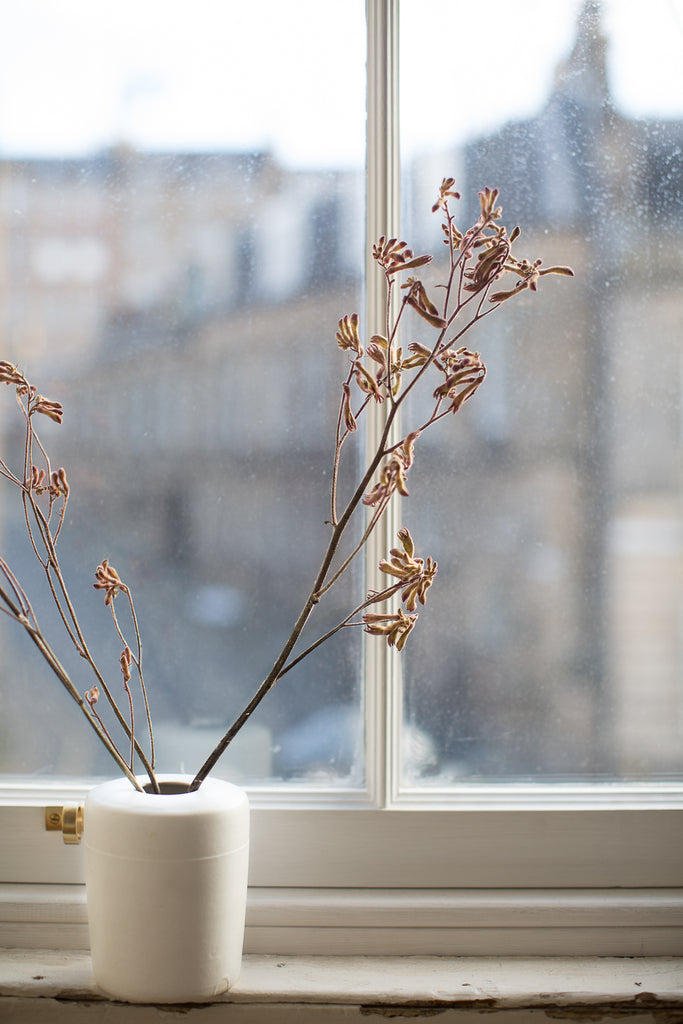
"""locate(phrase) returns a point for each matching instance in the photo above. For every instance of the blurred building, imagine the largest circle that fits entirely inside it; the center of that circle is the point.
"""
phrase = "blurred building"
(100, 244)
(196, 368)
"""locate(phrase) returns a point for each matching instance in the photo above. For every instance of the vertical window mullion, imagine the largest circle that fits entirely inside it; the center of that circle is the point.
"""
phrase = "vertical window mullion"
(381, 665)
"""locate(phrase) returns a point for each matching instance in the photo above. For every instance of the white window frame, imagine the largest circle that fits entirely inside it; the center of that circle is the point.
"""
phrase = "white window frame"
(533, 869)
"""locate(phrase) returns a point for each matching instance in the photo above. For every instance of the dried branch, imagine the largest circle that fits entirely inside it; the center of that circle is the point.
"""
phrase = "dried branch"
(44, 495)
(477, 259)
(380, 372)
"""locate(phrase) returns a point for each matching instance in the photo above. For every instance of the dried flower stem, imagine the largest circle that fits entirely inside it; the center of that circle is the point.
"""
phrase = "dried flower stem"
(311, 601)
(341, 436)
(53, 487)
(372, 523)
(374, 598)
(19, 608)
(137, 660)
(463, 372)
(477, 259)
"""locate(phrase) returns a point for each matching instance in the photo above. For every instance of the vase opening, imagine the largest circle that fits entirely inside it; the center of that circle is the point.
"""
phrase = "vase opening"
(167, 788)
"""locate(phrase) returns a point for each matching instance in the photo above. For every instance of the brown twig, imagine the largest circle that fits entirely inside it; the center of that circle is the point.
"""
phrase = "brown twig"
(475, 278)
(477, 259)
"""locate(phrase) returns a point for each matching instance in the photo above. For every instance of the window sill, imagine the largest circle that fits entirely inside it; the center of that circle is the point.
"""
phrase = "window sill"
(36, 983)
(397, 922)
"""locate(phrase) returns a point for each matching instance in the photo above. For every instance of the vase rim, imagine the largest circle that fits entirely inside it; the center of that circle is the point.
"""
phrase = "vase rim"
(119, 795)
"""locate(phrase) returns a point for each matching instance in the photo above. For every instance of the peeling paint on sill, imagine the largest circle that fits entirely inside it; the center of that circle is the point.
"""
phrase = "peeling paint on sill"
(429, 1009)
(660, 1010)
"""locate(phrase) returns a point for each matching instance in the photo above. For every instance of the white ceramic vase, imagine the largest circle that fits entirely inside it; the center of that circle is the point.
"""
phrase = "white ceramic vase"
(166, 884)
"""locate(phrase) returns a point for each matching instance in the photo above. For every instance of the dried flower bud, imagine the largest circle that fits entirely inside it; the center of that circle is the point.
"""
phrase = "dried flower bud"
(418, 299)
(52, 410)
(349, 418)
(383, 489)
(487, 201)
(398, 467)
(402, 564)
(377, 618)
(416, 576)
(377, 350)
(419, 357)
(491, 264)
(391, 478)
(464, 371)
(395, 627)
(348, 336)
(9, 374)
(125, 660)
(378, 493)
(408, 448)
(107, 578)
(453, 237)
(92, 696)
(563, 271)
(366, 382)
(529, 274)
(393, 256)
(407, 541)
(445, 191)
(59, 485)
(38, 480)
(417, 588)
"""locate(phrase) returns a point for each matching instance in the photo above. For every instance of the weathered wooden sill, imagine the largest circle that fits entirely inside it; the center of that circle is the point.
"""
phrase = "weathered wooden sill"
(40, 986)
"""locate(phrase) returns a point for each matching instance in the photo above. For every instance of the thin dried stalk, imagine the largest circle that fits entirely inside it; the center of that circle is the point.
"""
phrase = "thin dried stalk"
(477, 259)
(52, 487)
(380, 372)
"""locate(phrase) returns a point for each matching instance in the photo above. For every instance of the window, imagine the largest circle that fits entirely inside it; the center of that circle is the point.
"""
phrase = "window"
(435, 827)
(183, 250)
(562, 487)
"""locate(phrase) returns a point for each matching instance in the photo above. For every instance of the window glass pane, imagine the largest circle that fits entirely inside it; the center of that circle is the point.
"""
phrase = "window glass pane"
(181, 228)
(551, 644)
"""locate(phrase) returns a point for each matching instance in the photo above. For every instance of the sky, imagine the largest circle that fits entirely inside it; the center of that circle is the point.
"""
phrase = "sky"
(80, 75)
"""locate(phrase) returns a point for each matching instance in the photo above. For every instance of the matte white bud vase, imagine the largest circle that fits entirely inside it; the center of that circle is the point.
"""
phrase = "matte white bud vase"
(166, 884)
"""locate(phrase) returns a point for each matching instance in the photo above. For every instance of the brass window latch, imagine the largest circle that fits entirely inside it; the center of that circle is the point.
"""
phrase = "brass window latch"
(67, 820)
